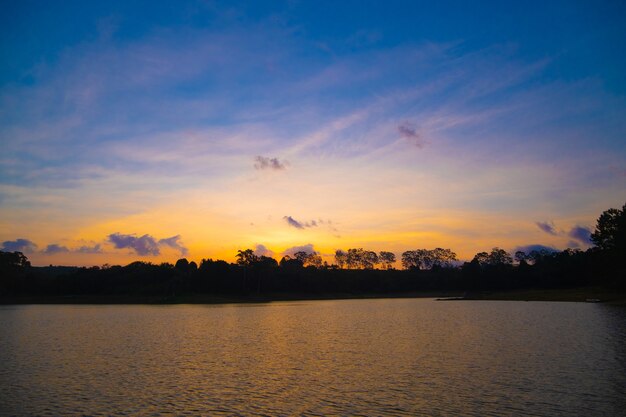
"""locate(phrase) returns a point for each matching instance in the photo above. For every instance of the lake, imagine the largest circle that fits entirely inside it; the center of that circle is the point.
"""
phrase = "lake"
(343, 357)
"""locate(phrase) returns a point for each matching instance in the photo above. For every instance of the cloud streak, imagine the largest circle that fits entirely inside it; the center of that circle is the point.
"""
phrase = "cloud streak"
(264, 163)
(299, 224)
(547, 227)
(408, 131)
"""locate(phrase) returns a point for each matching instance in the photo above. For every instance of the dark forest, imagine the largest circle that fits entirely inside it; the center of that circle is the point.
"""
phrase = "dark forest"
(355, 272)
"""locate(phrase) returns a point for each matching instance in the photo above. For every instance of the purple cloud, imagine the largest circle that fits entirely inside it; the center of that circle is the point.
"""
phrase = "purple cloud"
(300, 225)
(308, 248)
(263, 162)
(539, 248)
(580, 234)
(55, 248)
(144, 245)
(293, 222)
(174, 242)
(97, 248)
(262, 250)
(547, 227)
(409, 132)
(19, 245)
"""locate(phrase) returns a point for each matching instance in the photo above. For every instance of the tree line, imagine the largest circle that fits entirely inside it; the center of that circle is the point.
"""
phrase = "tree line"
(354, 271)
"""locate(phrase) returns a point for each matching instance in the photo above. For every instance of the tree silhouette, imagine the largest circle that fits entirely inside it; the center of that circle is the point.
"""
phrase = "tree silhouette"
(341, 258)
(246, 257)
(427, 259)
(610, 233)
(496, 257)
(386, 259)
(309, 259)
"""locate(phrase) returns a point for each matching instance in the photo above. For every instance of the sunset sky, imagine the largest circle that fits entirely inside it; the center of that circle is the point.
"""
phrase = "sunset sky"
(155, 130)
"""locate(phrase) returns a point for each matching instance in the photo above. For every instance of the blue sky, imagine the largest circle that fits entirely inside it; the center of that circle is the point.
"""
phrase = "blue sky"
(393, 126)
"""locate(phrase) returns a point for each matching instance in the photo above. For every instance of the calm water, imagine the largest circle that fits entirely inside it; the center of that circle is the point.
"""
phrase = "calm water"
(353, 357)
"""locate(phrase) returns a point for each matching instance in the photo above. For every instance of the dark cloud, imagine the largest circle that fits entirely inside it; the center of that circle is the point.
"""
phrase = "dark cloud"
(19, 245)
(55, 248)
(174, 242)
(144, 245)
(262, 250)
(409, 132)
(300, 225)
(90, 249)
(547, 227)
(293, 222)
(580, 234)
(264, 162)
(573, 244)
(308, 248)
(529, 248)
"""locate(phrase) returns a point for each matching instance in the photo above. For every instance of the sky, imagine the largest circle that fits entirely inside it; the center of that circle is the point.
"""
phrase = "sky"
(143, 130)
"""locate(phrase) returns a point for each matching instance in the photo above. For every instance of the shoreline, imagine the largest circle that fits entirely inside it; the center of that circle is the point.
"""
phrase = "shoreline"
(579, 294)
(584, 294)
(207, 298)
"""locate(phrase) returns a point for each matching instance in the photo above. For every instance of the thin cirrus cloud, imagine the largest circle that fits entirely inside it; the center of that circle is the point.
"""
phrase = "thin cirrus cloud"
(146, 245)
(19, 245)
(274, 164)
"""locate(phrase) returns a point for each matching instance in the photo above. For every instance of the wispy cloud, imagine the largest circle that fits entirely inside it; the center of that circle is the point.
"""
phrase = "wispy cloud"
(264, 162)
(293, 222)
(547, 227)
(19, 245)
(175, 243)
(299, 224)
(408, 131)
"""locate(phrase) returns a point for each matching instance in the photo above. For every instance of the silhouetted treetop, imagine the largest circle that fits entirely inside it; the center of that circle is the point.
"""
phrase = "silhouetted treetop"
(386, 259)
(610, 233)
(497, 257)
(428, 258)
